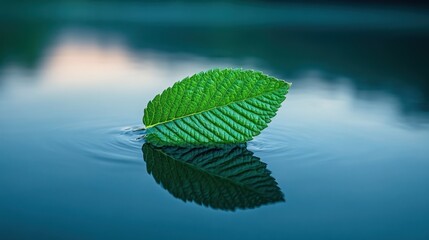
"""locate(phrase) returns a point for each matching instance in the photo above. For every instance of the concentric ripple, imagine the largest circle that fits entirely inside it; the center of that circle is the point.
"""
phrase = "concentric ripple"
(109, 142)
(103, 142)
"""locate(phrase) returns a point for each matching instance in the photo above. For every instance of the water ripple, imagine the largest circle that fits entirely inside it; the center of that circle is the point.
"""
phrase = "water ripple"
(105, 143)
(289, 143)
(110, 143)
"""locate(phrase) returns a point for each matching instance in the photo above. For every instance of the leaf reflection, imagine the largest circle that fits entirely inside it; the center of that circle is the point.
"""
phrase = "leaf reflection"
(226, 178)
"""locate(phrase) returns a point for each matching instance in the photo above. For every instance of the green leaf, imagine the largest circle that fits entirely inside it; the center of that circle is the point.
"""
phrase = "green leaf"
(214, 107)
(222, 178)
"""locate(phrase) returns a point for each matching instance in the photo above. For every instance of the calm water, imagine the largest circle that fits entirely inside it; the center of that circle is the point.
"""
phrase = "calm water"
(348, 150)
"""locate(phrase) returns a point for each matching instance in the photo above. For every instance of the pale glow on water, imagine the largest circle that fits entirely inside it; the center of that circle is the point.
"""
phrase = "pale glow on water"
(79, 64)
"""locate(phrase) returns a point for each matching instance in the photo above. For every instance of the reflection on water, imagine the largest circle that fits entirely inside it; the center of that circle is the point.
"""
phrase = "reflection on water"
(222, 178)
(374, 64)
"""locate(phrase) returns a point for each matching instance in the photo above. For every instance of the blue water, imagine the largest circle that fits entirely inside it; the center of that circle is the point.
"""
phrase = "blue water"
(348, 149)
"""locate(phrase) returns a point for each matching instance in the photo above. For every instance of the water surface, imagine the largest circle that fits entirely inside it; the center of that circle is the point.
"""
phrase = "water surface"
(346, 154)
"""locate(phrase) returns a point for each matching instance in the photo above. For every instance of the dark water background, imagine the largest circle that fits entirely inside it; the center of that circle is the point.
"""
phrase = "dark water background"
(348, 149)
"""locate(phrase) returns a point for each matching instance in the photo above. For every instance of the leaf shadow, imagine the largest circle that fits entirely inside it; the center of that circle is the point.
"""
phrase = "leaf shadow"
(225, 178)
